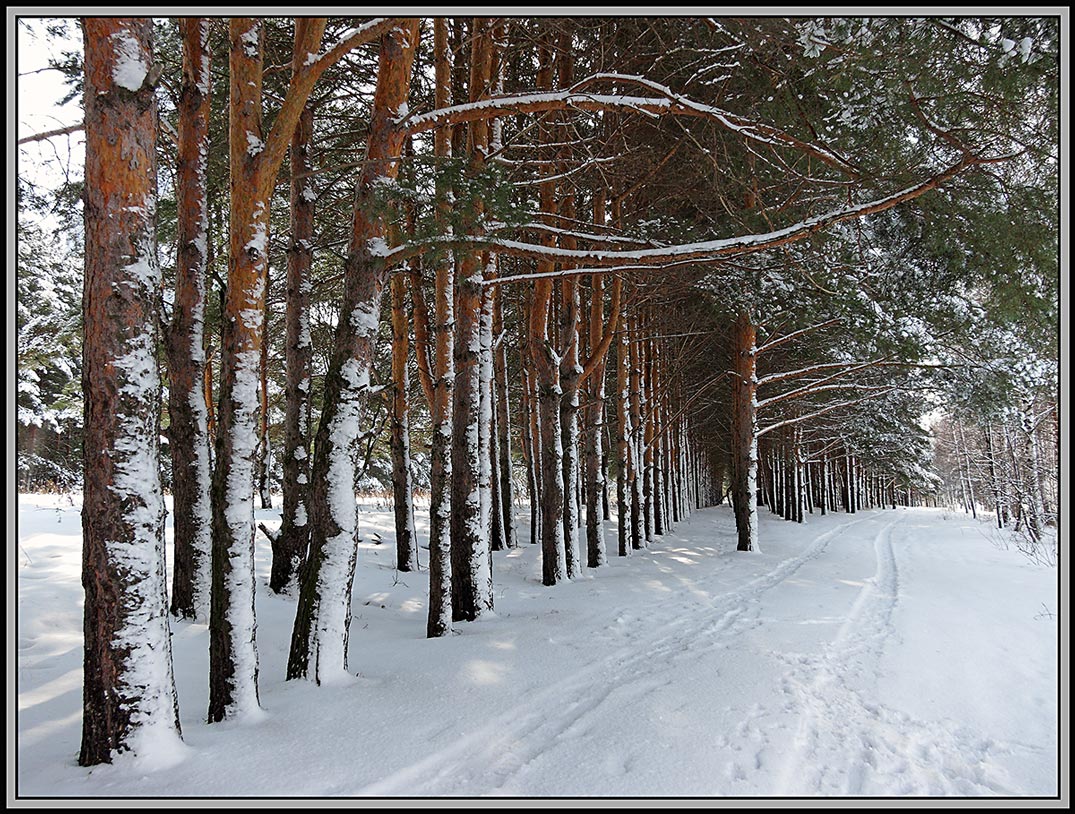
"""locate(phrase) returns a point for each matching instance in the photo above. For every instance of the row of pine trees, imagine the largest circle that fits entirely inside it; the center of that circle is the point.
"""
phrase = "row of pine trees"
(545, 216)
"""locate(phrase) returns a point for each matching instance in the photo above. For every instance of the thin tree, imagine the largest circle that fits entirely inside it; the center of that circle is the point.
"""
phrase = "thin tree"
(188, 433)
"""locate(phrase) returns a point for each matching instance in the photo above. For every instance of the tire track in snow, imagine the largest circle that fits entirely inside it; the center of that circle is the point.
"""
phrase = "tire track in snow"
(486, 760)
(847, 743)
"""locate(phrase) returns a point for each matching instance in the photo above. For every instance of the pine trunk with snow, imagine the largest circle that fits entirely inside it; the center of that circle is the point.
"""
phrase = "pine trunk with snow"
(289, 546)
(264, 448)
(233, 656)
(319, 637)
(570, 373)
(471, 575)
(594, 417)
(439, 615)
(188, 433)
(501, 393)
(129, 698)
(406, 538)
(623, 438)
(745, 434)
(527, 418)
(486, 440)
(469, 538)
(635, 477)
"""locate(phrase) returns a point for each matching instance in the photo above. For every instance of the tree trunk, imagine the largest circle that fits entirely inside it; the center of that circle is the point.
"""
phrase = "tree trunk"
(471, 576)
(486, 429)
(623, 436)
(745, 435)
(403, 506)
(994, 481)
(546, 381)
(233, 658)
(501, 394)
(264, 450)
(595, 412)
(319, 637)
(188, 434)
(635, 476)
(289, 546)
(129, 699)
(439, 617)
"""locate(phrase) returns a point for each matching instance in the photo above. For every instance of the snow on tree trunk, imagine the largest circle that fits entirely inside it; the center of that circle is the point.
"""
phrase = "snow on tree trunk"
(635, 477)
(595, 412)
(188, 433)
(471, 574)
(527, 415)
(264, 449)
(233, 656)
(745, 435)
(439, 617)
(485, 407)
(1034, 491)
(503, 426)
(647, 406)
(469, 538)
(319, 637)
(129, 699)
(546, 366)
(403, 506)
(569, 410)
(289, 546)
(623, 436)
(994, 480)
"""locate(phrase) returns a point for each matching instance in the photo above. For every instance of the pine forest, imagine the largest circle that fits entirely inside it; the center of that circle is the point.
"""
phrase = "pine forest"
(540, 406)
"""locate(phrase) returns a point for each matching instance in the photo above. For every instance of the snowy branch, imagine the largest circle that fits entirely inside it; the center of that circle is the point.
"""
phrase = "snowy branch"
(822, 411)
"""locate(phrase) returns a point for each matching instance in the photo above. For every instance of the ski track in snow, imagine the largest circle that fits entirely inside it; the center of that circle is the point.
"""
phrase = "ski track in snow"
(848, 744)
(510, 741)
(836, 663)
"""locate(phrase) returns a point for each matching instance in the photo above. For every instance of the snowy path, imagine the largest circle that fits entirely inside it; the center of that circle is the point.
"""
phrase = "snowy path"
(644, 665)
(855, 655)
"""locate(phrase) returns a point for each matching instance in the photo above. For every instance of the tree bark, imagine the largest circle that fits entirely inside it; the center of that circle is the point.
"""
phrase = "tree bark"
(439, 617)
(289, 546)
(745, 434)
(233, 658)
(471, 576)
(546, 364)
(320, 634)
(129, 699)
(503, 424)
(403, 505)
(188, 433)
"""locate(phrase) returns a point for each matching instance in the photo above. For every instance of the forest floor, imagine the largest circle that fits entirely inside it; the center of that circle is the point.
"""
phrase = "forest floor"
(892, 653)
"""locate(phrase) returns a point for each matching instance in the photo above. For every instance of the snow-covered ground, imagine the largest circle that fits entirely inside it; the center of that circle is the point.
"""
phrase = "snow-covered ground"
(883, 653)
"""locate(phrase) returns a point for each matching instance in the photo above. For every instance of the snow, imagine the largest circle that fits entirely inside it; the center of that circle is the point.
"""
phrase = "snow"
(130, 68)
(239, 515)
(862, 654)
(254, 144)
(251, 39)
(378, 247)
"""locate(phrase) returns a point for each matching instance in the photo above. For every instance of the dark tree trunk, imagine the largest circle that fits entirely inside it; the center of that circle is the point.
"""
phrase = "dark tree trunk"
(406, 539)
(187, 409)
(471, 577)
(289, 546)
(745, 435)
(439, 617)
(503, 425)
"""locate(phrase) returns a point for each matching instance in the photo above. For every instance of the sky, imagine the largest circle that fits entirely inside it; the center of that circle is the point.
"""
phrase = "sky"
(39, 92)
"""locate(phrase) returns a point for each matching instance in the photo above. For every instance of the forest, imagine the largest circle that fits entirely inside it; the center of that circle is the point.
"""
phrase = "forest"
(533, 279)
